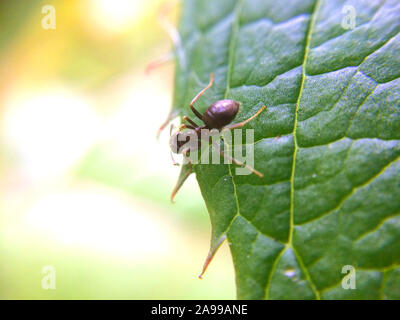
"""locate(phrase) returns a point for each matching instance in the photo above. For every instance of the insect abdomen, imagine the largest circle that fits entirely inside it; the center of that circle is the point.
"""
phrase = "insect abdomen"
(220, 113)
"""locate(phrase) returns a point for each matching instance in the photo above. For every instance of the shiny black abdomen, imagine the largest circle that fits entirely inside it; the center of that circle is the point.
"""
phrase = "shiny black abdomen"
(220, 113)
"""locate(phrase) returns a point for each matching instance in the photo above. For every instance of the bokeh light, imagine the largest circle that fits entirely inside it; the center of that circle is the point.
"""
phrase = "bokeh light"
(84, 184)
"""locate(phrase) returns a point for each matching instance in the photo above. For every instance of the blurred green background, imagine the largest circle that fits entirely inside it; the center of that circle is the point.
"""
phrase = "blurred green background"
(84, 185)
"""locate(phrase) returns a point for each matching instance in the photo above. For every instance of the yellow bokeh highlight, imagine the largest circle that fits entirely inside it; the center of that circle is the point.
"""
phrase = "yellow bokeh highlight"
(84, 184)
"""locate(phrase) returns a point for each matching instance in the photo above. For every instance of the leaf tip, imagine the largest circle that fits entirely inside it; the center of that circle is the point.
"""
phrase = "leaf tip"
(211, 255)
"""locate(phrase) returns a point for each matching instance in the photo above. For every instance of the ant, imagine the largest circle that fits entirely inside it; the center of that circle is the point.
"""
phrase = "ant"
(218, 115)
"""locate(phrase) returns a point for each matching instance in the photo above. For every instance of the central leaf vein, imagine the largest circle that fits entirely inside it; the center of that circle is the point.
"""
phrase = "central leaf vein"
(291, 212)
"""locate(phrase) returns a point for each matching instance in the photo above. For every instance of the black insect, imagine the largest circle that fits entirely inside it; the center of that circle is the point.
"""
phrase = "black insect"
(218, 115)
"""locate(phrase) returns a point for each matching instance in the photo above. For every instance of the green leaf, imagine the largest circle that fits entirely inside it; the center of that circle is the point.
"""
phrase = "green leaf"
(330, 195)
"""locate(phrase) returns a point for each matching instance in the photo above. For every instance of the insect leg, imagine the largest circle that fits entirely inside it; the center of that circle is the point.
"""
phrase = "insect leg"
(184, 126)
(239, 163)
(159, 62)
(171, 128)
(171, 116)
(174, 36)
(168, 26)
(241, 124)
(173, 160)
(185, 118)
(198, 114)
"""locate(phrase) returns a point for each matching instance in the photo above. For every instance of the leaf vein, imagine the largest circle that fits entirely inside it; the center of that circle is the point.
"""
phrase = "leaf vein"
(366, 183)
